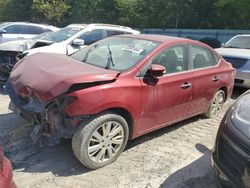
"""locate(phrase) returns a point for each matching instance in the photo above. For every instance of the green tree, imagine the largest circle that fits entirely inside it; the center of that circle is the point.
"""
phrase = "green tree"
(52, 10)
(17, 10)
(234, 14)
(89, 11)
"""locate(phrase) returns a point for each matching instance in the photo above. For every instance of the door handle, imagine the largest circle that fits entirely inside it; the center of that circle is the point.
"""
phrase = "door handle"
(186, 85)
(215, 78)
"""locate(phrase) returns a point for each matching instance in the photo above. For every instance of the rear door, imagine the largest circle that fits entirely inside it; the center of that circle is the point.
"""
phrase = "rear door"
(166, 99)
(207, 75)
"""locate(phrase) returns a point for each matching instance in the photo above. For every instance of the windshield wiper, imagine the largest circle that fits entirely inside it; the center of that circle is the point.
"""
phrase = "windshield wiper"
(110, 59)
(87, 55)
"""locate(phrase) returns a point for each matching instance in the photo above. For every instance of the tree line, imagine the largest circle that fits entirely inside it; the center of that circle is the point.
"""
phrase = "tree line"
(184, 14)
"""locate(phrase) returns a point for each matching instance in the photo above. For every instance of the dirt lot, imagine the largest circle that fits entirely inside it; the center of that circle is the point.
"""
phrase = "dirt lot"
(176, 156)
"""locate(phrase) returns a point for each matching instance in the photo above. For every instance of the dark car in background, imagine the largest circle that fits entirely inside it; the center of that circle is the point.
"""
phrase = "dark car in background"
(231, 155)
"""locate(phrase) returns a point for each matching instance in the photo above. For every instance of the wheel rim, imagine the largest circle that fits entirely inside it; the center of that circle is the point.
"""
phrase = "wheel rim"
(217, 104)
(105, 142)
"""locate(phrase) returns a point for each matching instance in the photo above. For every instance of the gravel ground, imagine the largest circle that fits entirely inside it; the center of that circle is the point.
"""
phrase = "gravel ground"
(174, 157)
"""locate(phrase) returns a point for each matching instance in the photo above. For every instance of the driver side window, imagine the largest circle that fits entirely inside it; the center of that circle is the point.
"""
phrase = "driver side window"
(174, 59)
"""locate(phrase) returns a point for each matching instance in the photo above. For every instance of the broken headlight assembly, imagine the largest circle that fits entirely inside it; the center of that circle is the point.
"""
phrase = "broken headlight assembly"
(240, 115)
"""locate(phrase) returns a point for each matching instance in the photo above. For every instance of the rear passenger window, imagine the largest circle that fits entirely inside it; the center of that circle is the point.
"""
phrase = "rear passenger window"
(202, 57)
(113, 32)
(34, 30)
(174, 58)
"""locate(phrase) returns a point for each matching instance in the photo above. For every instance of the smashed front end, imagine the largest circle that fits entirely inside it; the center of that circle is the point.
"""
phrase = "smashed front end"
(50, 121)
(40, 88)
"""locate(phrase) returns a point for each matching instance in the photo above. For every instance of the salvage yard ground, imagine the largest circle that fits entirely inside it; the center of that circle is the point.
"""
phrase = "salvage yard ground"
(176, 156)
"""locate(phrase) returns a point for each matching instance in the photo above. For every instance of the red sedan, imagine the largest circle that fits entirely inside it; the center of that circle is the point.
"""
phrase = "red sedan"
(118, 89)
(5, 172)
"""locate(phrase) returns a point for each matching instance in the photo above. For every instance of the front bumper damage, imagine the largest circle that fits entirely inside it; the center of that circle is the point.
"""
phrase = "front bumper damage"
(7, 62)
(50, 121)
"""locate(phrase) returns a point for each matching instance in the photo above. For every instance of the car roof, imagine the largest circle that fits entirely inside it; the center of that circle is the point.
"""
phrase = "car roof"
(108, 26)
(34, 24)
(77, 25)
(157, 38)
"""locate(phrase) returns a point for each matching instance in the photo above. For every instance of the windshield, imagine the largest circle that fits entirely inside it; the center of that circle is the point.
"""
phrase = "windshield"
(61, 35)
(116, 53)
(239, 42)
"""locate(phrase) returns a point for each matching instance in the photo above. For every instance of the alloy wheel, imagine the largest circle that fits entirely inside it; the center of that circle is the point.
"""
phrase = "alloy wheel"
(105, 141)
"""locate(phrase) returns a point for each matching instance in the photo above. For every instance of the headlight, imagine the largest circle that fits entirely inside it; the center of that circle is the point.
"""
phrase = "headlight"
(241, 115)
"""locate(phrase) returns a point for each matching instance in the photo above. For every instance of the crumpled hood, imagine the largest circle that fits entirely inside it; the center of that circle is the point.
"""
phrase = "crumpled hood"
(234, 52)
(17, 45)
(46, 76)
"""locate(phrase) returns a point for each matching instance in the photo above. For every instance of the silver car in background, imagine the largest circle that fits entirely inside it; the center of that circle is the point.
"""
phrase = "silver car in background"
(237, 52)
(21, 30)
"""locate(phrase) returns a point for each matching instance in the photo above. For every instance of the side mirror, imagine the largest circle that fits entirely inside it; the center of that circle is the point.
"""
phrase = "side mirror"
(157, 70)
(2, 31)
(78, 42)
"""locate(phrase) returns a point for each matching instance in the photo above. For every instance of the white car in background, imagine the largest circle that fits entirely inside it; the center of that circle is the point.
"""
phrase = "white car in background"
(65, 41)
(237, 52)
(21, 30)
(76, 36)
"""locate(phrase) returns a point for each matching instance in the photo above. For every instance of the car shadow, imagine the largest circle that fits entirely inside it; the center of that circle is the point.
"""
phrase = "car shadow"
(197, 174)
(27, 157)
(162, 131)
(59, 160)
(237, 92)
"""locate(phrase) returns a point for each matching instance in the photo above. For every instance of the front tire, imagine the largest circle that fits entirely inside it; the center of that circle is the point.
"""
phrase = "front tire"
(216, 105)
(101, 140)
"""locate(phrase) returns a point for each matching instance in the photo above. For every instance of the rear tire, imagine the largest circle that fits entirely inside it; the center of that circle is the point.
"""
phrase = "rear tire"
(216, 105)
(99, 141)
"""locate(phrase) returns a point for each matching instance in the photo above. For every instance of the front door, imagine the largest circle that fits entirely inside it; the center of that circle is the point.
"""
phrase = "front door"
(166, 99)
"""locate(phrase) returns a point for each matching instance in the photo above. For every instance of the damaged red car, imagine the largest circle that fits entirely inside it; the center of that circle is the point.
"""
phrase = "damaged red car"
(118, 89)
(6, 175)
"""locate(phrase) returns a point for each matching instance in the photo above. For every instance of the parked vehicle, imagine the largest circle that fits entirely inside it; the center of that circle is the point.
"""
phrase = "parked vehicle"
(213, 42)
(6, 175)
(10, 50)
(237, 52)
(231, 155)
(22, 30)
(76, 36)
(118, 89)
(65, 41)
